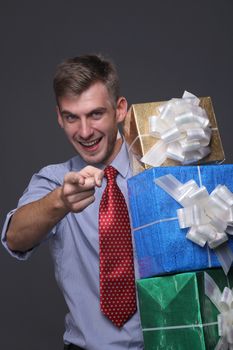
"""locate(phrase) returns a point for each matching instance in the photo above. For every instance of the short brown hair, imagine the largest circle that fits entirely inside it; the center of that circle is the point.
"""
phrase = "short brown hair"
(75, 75)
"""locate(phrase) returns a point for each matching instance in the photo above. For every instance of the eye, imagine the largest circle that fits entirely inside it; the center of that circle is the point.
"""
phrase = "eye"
(97, 114)
(70, 118)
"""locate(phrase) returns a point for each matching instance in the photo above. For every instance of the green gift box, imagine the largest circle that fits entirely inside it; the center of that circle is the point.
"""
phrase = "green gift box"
(175, 312)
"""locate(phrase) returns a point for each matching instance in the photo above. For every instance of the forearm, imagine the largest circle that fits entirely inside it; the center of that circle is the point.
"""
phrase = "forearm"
(31, 223)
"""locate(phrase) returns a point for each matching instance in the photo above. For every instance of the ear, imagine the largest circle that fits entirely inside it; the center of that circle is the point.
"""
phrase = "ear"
(121, 109)
(59, 117)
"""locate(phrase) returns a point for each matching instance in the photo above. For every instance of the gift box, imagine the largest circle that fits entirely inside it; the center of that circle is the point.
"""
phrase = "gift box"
(177, 314)
(137, 124)
(161, 245)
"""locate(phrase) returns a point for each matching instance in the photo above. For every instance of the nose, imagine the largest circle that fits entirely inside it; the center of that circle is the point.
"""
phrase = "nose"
(85, 129)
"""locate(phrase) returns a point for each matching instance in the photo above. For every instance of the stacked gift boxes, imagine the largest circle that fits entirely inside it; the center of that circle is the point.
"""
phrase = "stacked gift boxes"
(176, 311)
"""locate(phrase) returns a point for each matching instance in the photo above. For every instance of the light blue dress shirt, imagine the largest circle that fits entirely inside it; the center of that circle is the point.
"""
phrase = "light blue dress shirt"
(74, 245)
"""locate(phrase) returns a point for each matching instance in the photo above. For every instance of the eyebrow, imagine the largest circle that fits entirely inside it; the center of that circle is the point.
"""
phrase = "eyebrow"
(98, 109)
(64, 113)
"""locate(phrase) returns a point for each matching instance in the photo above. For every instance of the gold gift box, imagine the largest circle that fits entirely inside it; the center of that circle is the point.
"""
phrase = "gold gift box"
(137, 124)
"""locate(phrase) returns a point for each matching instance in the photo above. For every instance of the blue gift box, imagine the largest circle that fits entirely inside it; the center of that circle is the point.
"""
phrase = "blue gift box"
(161, 246)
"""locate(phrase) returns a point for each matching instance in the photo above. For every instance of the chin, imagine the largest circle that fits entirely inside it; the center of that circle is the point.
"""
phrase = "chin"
(92, 160)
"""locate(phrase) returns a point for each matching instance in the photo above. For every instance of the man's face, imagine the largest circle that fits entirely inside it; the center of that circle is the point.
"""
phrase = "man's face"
(91, 123)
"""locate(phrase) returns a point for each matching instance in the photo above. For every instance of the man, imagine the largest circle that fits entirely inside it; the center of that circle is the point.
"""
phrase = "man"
(62, 201)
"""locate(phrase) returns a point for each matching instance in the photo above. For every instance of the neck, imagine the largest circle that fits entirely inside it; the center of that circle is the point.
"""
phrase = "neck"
(116, 150)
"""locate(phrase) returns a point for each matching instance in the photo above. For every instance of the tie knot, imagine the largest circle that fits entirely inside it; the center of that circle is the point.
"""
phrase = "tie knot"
(110, 173)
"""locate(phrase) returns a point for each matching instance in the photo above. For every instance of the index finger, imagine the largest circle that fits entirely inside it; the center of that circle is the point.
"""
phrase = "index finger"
(90, 171)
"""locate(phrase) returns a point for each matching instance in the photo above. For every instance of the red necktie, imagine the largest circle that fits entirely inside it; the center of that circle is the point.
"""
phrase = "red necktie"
(117, 282)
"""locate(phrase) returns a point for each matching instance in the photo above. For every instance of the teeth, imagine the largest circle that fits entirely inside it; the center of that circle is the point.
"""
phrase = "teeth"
(88, 144)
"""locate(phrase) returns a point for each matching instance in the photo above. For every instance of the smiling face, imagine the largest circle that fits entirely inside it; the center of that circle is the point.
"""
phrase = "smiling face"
(91, 123)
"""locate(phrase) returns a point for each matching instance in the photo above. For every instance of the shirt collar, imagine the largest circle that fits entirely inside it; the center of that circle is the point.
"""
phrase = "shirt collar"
(121, 161)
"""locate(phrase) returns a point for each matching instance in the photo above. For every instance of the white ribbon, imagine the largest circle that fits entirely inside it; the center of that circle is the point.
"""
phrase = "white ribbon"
(210, 217)
(224, 303)
(184, 131)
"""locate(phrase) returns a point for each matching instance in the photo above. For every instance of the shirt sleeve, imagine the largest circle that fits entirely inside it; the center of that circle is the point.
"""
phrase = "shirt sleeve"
(40, 185)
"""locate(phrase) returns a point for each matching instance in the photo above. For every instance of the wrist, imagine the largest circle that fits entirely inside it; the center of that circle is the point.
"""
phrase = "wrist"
(59, 202)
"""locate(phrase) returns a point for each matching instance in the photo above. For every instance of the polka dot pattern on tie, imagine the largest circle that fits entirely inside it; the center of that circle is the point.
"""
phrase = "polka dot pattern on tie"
(117, 282)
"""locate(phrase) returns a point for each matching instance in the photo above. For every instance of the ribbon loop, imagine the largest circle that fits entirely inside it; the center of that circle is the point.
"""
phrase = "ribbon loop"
(184, 131)
(224, 303)
(209, 216)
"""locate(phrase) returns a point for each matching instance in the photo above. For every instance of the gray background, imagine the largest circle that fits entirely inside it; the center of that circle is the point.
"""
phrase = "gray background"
(161, 48)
